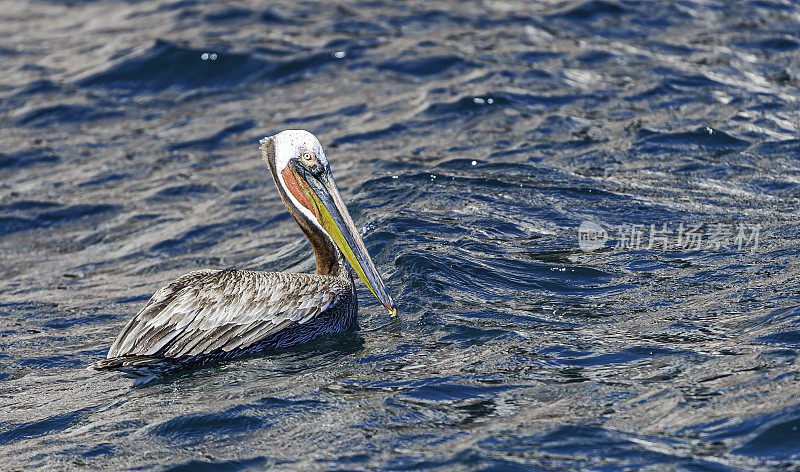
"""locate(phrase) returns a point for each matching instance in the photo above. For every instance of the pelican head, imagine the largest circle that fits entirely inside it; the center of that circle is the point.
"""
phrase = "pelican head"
(301, 172)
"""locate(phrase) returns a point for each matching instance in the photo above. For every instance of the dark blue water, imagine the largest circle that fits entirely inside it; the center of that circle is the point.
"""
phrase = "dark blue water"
(471, 141)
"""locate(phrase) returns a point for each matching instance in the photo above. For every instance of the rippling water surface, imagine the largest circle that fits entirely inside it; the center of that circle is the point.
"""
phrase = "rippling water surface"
(471, 140)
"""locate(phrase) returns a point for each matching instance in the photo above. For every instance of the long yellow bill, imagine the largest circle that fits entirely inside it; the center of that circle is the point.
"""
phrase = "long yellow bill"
(336, 220)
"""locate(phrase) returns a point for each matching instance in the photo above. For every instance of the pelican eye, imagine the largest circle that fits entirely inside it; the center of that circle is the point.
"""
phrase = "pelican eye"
(307, 156)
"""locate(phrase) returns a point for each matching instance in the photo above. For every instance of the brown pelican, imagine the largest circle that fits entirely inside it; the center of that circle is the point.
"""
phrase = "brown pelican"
(221, 313)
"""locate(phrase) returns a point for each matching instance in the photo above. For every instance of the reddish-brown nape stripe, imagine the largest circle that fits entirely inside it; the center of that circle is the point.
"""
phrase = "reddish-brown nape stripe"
(289, 177)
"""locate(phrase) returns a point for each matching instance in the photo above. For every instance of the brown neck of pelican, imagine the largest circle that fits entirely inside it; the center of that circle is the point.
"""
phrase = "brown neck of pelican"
(329, 259)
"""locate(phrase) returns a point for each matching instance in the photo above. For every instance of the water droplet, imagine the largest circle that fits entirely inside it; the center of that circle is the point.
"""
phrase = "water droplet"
(489, 101)
(204, 56)
(339, 54)
(394, 176)
(709, 130)
(474, 163)
(213, 56)
(478, 101)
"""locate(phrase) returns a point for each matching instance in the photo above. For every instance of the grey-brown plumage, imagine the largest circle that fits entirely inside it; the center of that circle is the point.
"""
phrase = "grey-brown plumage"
(222, 313)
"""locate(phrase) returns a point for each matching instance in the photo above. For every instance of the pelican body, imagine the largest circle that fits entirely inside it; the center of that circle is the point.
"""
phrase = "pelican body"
(223, 313)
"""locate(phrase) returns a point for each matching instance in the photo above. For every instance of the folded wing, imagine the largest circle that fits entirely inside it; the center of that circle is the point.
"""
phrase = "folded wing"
(211, 310)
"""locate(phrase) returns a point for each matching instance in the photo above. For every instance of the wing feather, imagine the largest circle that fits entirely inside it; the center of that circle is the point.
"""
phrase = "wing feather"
(209, 310)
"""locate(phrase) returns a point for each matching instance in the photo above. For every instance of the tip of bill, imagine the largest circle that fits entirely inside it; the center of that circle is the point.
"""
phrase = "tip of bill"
(393, 312)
